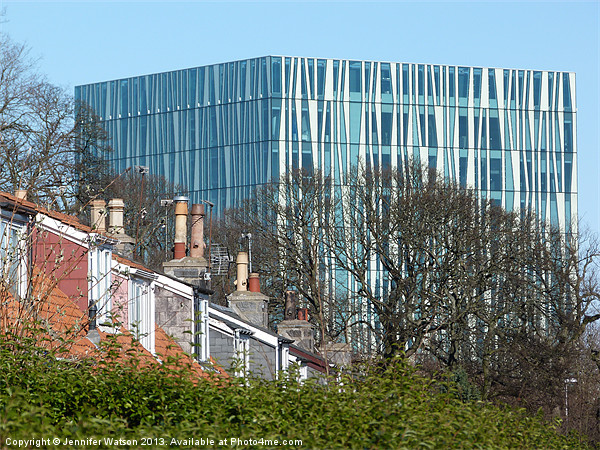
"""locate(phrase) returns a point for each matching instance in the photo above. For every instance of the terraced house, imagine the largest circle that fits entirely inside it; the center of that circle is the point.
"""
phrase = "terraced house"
(73, 283)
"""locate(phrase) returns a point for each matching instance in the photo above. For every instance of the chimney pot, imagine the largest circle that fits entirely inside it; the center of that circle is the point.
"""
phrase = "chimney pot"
(21, 194)
(181, 212)
(290, 305)
(242, 271)
(198, 209)
(197, 247)
(303, 314)
(98, 215)
(254, 282)
(115, 215)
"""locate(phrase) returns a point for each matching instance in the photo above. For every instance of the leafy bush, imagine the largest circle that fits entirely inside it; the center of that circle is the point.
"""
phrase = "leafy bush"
(45, 397)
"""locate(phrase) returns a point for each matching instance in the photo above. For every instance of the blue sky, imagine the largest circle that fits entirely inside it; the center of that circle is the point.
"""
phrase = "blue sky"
(81, 42)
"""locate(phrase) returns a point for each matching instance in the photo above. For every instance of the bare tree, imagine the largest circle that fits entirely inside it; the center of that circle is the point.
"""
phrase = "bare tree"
(463, 281)
(553, 308)
(42, 147)
(403, 262)
(288, 220)
(413, 250)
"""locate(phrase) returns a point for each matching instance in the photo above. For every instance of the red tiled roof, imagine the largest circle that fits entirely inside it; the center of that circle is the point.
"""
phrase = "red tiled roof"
(130, 263)
(173, 357)
(48, 312)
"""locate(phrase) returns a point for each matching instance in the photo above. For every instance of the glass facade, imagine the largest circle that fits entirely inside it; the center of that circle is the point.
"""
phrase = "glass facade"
(223, 129)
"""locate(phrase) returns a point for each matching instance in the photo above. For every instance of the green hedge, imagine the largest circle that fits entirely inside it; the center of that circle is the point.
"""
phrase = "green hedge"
(45, 398)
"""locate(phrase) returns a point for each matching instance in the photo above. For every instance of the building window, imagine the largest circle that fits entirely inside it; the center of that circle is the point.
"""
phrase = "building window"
(13, 256)
(355, 81)
(242, 351)
(141, 313)
(99, 281)
(201, 328)
(495, 171)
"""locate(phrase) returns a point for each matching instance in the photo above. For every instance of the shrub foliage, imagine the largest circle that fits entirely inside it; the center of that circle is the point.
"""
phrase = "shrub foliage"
(43, 397)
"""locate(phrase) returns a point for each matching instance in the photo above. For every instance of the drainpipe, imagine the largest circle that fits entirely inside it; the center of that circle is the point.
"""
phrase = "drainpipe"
(197, 244)
(93, 334)
(181, 212)
(92, 314)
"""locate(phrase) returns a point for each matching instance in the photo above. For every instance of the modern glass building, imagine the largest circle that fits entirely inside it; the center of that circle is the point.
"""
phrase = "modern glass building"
(223, 129)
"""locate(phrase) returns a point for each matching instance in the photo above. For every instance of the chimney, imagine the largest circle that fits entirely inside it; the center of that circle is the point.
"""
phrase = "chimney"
(126, 243)
(290, 305)
(250, 305)
(21, 194)
(254, 282)
(242, 272)
(194, 268)
(197, 250)
(98, 216)
(115, 216)
(295, 324)
(181, 212)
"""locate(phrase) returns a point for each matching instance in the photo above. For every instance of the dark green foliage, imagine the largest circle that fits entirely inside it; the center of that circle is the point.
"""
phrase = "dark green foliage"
(42, 397)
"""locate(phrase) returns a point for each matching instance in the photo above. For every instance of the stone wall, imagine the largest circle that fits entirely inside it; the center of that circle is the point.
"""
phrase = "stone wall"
(301, 331)
(221, 348)
(263, 362)
(174, 314)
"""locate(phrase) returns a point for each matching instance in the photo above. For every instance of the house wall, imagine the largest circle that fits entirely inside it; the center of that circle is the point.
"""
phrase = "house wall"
(120, 303)
(314, 373)
(222, 348)
(262, 357)
(64, 262)
(263, 362)
(174, 314)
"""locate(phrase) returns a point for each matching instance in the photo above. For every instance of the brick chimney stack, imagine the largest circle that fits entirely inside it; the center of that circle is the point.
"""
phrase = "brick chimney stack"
(295, 324)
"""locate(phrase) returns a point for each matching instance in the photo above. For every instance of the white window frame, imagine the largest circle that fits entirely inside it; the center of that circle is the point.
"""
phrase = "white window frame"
(242, 351)
(284, 351)
(202, 330)
(100, 284)
(303, 372)
(13, 248)
(140, 312)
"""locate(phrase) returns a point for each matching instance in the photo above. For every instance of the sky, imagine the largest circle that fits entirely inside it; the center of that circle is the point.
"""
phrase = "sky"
(80, 42)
